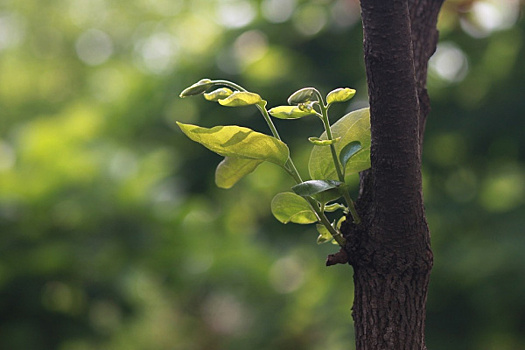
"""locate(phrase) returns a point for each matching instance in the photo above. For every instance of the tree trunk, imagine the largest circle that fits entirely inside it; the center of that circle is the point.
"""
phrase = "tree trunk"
(390, 251)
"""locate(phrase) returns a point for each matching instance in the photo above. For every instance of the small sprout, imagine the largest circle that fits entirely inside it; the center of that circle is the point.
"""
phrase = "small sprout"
(241, 98)
(308, 106)
(290, 112)
(218, 94)
(302, 96)
(340, 95)
(333, 207)
(320, 142)
(197, 89)
(340, 222)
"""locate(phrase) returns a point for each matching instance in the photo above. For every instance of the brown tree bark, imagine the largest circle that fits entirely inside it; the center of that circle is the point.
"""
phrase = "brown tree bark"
(390, 251)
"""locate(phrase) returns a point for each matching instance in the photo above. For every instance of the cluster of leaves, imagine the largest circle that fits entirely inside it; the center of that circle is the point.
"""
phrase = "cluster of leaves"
(342, 149)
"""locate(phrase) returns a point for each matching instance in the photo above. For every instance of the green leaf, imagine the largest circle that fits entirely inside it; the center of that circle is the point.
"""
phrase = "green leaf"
(232, 169)
(302, 96)
(324, 235)
(349, 151)
(218, 94)
(290, 112)
(241, 98)
(355, 126)
(312, 187)
(198, 88)
(289, 207)
(328, 196)
(318, 142)
(339, 95)
(238, 142)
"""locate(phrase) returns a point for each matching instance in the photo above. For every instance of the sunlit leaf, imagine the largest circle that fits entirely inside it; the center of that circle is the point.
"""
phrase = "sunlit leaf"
(232, 169)
(198, 88)
(355, 126)
(340, 95)
(290, 112)
(289, 207)
(218, 94)
(318, 142)
(239, 142)
(302, 96)
(241, 98)
(349, 151)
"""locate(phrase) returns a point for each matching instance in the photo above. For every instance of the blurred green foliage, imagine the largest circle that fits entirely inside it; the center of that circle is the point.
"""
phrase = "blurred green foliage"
(113, 235)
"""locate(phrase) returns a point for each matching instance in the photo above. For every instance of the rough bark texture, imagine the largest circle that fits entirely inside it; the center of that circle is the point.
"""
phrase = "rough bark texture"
(390, 251)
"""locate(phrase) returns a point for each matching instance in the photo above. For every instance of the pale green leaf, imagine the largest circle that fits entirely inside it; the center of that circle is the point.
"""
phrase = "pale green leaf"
(302, 96)
(218, 94)
(323, 191)
(241, 98)
(198, 88)
(324, 234)
(239, 142)
(318, 142)
(290, 112)
(328, 196)
(355, 126)
(312, 187)
(232, 169)
(349, 151)
(289, 207)
(339, 95)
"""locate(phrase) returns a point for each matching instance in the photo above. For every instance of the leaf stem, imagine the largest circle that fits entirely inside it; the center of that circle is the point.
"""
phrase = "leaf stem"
(326, 124)
(337, 164)
(351, 207)
(324, 220)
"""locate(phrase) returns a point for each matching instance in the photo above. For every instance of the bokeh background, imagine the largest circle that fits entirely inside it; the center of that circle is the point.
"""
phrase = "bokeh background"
(114, 236)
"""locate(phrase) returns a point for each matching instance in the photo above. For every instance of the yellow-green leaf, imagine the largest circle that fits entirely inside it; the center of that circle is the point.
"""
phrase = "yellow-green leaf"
(340, 95)
(290, 112)
(355, 126)
(289, 207)
(232, 169)
(241, 98)
(239, 142)
(218, 94)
